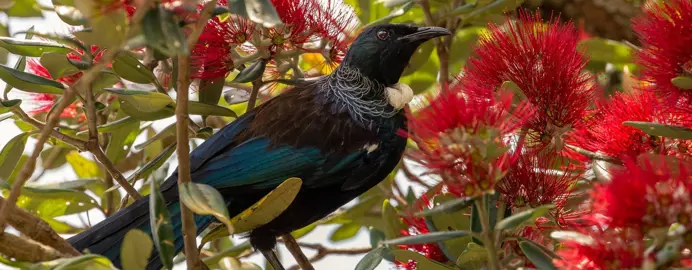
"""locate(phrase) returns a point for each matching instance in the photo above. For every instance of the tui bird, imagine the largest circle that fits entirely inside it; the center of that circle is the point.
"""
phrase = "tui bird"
(340, 134)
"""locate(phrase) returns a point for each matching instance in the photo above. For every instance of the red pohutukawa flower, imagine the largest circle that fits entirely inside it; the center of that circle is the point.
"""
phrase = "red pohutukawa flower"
(532, 182)
(665, 31)
(653, 194)
(465, 140)
(301, 25)
(542, 60)
(602, 249)
(605, 132)
(416, 226)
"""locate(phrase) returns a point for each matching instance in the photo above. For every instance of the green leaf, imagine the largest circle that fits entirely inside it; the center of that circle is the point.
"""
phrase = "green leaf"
(268, 208)
(57, 65)
(121, 141)
(25, 9)
(427, 238)
(167, 131)
(111, 27)
(453, 221)
(74, 184)
(683, 82)
(154, 164)
(376, 237)
(251, 72)
(654, 129)
(161, 31)
(204, 200)
(449, 206)
(50, 203)
(30, 47)
(421, 261)
(6, 105)
(210, 90)
(204, 133)
(521, 217)
(29, 82)
(90, 261)
(473, 257)
(372, 259)
(605, 50)
(105, 79)
(62, 227)
(70, 15)
(481, 13)
(345, 232)
(135, 250)
(536, 256)
(10, 154)
(127, 66)
(391, 219)
(144, 101)
(303, 231)
(393, 14)
(115, 125)
(161, 227)
(21, 62)
(261, 12)
(462, 45)
(230, 252)
(208, 109)
(83, 167)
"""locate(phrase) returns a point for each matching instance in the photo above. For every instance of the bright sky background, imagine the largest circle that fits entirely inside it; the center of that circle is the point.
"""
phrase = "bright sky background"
(320, 235)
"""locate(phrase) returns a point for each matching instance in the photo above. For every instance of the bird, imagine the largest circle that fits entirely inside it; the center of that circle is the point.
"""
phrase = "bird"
(341, 134)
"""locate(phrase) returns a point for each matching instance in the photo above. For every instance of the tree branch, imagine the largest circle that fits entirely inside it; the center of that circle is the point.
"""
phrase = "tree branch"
(183, 145)
(256, 85)
(297, 253)
(593, 155)
(27, 250)
(76, 143)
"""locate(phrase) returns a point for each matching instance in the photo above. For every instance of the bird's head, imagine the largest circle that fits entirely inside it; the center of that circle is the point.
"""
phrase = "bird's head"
(382, 52)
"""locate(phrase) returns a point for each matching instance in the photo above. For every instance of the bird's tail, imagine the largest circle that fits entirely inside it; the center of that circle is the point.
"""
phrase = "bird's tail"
(106, 237)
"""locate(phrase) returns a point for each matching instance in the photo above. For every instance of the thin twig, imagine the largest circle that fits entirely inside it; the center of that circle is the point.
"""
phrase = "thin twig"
(76, 143)
(113, 171)
(183, 145)
(593, 155)
(323, 251)
(297, 253)
(488, 240)
(411, 176)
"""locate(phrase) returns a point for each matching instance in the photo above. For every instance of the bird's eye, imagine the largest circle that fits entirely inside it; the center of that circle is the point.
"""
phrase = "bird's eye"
(382, 35)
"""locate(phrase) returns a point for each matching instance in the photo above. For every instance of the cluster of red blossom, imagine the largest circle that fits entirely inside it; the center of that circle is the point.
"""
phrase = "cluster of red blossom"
(326, 25)
(479, 139)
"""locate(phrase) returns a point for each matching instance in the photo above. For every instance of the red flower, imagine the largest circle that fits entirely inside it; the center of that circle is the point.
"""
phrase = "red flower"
(464, 140)
(665, 30)
(417, 226)
(655, 194)
(530, 183)
(300, 23)
(601, 249)
(543, 61)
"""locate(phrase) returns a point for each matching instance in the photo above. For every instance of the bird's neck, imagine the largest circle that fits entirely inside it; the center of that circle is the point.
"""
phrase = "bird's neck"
(352, 92)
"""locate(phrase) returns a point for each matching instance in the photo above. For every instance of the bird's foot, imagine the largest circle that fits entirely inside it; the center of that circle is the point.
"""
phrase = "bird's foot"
(399, 95)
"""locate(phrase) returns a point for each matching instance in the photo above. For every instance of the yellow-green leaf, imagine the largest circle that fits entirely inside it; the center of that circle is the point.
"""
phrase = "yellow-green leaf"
(345, 232)
(83, 167)
(473, 257)
(268, 208)
(70, 15)
(135, 250)
(209, 109)
(144, 101)
(655, 129)
(204, 200)
(50, 203)
(57, 65)
(130, 68)
(606, 50)
(683, 82)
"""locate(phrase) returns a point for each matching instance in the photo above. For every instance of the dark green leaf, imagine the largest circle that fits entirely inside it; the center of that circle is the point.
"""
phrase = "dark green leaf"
(105, 79)
(154, 164)
(262, 12)
(376, 237)
(252, 72)
(70, 15)
(371, 260)
(54, 157)
(208, 109)
(683, 82)
(676, 132)
(162, 32)
(30, 47)
(421, 261)
(473, 257)
(427, 238)
(10, 154)
(210, 90)
(605, 50)
(74, 184)
(521, 217)
(57, 65)
(395, 13)
(545, 250)
(237, 7)
(345, 232)
(451, 206)
(536, 256)
(29, 82)
(450, 221)
(115, 125)
(130, 68)
(6, 105)
(161, 227)
(135, 250)
(219, 11)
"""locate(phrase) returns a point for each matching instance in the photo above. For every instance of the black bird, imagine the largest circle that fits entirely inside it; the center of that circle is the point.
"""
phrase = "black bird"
(339, 134)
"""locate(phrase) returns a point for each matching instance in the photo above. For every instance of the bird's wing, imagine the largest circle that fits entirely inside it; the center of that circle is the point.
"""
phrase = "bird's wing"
(220, 141)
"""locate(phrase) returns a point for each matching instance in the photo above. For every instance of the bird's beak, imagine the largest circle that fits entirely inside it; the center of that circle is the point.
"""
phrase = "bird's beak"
(425, 33)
